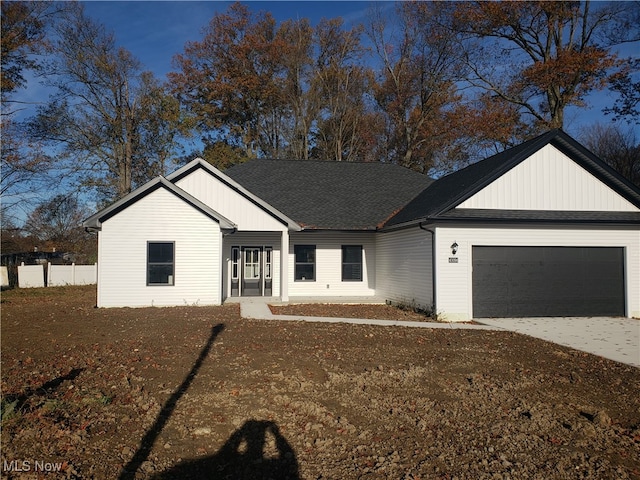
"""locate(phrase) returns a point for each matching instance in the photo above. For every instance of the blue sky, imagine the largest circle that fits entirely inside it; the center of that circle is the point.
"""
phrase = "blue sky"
(154, 31)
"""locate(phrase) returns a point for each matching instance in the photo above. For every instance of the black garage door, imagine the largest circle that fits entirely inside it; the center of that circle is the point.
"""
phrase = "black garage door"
(548, 281)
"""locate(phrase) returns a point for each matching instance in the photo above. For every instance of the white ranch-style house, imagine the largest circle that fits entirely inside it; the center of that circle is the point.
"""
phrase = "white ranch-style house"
(542, 229)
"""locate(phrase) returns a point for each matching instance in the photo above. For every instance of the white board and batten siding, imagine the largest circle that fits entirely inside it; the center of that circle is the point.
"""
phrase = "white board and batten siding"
(404, 267)
(228, 202)
(454, 280)
(122, 256)
(328, 268)
(548, 180)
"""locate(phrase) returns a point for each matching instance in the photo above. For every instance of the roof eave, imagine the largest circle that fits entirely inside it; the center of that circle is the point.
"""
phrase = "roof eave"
(441, 219)
(424, 221)
(94, 222)
(536, 221)
(591, 162)
(536, 144)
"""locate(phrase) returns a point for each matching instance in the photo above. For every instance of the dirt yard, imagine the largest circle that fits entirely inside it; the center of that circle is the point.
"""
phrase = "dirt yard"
(198, 392)
(372, 311)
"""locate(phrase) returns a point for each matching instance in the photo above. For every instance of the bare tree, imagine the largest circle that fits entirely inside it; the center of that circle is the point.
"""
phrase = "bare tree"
(111, 123)
(23, 39)
(627, 106)
(618, 146)
(297, 94)
(416, 88)
(24, 168)
(58, 223)
(340, 83)
(24, 164)
(541, 57)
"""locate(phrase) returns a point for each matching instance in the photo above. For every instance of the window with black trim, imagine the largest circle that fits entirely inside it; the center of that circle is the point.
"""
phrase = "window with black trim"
(352, 263)
(160, 263)
(305, 262)
(235, 263)
(268, 262)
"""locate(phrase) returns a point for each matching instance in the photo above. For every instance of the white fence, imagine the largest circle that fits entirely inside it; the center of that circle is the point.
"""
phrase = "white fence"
(30, 276)
(4, 276)
(73, 274)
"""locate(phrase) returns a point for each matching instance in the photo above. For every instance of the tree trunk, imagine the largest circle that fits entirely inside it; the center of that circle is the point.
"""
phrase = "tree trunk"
(556, 108)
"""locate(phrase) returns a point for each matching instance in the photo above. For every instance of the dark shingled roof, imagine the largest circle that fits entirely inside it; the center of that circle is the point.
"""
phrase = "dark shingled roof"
(331, 195)
(437, 201)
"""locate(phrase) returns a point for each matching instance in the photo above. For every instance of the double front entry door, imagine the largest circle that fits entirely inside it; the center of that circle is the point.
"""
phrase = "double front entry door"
(251, 271)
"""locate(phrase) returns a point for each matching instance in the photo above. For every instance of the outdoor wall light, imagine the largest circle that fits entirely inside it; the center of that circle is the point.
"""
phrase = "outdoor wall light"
(454, 248)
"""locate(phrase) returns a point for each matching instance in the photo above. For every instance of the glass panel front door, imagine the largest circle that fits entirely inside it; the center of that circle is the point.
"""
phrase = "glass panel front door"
(251, 271)
(251, 263)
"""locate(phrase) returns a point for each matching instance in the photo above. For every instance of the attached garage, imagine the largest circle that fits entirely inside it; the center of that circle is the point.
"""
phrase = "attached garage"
(542, 229)
(532, 281)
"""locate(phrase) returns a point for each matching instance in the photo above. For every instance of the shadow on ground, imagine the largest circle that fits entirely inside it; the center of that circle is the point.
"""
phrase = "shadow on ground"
(146, 444)
(17, 402)
(255, 451)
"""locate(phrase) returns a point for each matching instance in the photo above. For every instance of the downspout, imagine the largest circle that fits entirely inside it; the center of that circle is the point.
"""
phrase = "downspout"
(433, 264)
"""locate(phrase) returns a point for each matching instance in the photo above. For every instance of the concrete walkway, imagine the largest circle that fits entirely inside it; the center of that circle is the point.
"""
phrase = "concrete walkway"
(614, 338)
(258, 308)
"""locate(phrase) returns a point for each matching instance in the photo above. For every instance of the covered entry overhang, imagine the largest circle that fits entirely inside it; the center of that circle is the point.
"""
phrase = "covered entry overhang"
(254, 264)
(252, 260)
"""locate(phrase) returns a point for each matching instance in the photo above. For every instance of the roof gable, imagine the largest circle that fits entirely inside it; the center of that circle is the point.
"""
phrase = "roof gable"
(453, 190)
(549, 180)
(95, 221)
(213, 187)
(332, 195)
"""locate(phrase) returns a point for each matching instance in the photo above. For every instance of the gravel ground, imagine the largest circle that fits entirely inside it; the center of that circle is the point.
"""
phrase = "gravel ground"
(198, 392)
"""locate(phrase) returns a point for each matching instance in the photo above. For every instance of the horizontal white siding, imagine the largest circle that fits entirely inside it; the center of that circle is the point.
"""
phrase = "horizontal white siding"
(328, 280)
(251, 239)
(122, 256)
(228, 202)
(404, 267)
(454, 280)
(548, 180)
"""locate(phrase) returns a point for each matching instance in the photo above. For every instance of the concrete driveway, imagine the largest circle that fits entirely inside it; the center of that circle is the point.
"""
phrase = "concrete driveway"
(615, 338)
